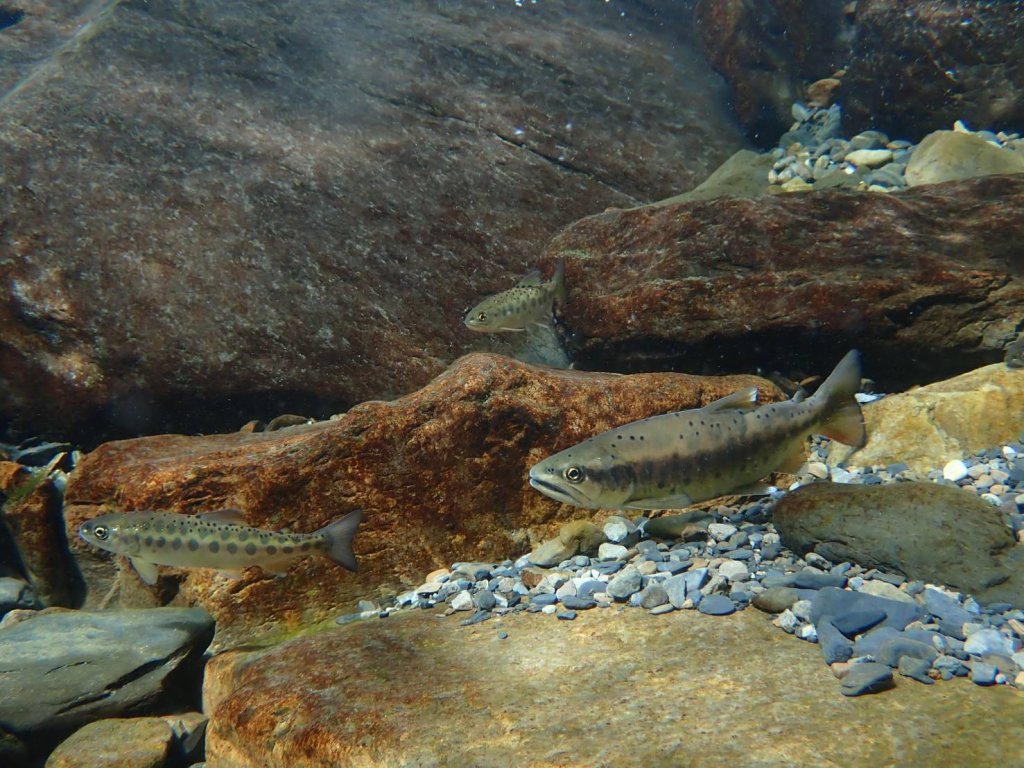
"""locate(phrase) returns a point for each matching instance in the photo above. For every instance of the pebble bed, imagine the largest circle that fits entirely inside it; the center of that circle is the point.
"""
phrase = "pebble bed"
(866, 622)
(812, 152)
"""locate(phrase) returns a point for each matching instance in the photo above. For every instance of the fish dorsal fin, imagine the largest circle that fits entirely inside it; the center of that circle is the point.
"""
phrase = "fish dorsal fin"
(531, 279)
(228, 515)
(743, 398)
(800, 395)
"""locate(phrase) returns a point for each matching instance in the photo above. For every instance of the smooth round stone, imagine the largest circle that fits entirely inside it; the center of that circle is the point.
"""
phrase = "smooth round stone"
(660, 609)
(463, 601)
(982, 673)
(609, 551)
(567, 615)
(625, 584)
(916, 669)
(988, 641)
(485, 601)
(717, 605)
(818, 470)
(653, 595)
(734, 570)
(869, 158)
(954, 471)
(544, 600)
(578, 603)
(857, 622)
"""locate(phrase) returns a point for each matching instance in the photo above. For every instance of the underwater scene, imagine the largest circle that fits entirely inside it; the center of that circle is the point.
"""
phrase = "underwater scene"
(556, 383)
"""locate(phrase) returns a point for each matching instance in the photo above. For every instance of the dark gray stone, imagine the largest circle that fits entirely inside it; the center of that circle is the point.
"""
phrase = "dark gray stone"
(567, 615)
(653, 595)
(546, 598)
(589, 588)
(813, 580)
(577, 603)
(916, 669)
(485, 601)
(717, 605)
(625, 584)
(83, 666)
(778, 599)
(857, 622)
(866, 678)
(831, 601)
(922, 531)
(834, 645)
(895, 648)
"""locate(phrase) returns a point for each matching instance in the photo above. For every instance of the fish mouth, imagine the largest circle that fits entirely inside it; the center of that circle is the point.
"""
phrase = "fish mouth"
(557, 492)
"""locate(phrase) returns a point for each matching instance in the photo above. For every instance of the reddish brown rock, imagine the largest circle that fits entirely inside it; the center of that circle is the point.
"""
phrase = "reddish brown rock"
(927, 283)
(441, 474)
(768, 50)
(917, 66)
(218, 212)
(417, 690)
(138, 742)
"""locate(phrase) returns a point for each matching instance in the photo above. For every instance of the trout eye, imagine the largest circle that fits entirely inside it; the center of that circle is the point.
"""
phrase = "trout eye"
(101, 532)
(574, 474)
(481, 316)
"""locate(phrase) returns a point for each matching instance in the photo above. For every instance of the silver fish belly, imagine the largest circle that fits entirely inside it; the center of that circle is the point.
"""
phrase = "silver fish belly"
(677, 459)
(215, 541)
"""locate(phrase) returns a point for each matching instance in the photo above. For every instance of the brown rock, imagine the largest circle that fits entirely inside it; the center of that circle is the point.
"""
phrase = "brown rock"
(767, 50)
(36, 525)
(821, 93)
(730, 284)
(376, 693)
(931, 425)
(952, 156)
(235, 209)
(441, 474)
(918, 66)
(138, 742)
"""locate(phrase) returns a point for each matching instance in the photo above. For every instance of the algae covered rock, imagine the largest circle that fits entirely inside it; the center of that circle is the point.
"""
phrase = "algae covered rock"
(924, 531)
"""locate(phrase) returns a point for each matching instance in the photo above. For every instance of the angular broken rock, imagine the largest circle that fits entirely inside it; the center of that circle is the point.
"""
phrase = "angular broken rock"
(63, 669)
(441, 475)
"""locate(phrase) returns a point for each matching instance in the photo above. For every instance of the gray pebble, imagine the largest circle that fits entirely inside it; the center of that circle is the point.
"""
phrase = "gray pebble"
(717, 605)
(625, 584)
(866, 678)
(916, 669)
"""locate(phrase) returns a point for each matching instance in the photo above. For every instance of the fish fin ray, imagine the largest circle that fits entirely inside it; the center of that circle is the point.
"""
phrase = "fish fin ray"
(147, 571)
(226, 515)
(741, 398)
(754, 489)
(531, 279)
(845, 421)
(339, 535)
(679, 501)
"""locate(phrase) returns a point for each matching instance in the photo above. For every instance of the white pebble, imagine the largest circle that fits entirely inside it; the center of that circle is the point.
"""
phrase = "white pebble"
(722, 530)
(818, 470)
(549, 609)
(787, 621)
(955, 470)
(992, 499)
(869, 158)
(1009, 452)
(608, 551)
(734, 570)
(840, 475)
(462, 601)
(808, 632)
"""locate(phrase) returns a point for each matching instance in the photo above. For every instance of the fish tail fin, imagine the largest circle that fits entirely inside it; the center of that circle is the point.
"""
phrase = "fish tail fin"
(339, 536)
(559, 281)
(844, 420)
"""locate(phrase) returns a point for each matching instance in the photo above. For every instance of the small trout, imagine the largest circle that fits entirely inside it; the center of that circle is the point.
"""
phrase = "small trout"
(529, 303)
(215, 540)
(677, 459)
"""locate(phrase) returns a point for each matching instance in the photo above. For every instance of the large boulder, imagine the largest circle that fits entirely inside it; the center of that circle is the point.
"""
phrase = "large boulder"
(918, 66)
(62, 669)
(219, 210)
(440, 473)
(953, 155)
(924, 531)
(928, 426)
(927, 283)
(610, 688)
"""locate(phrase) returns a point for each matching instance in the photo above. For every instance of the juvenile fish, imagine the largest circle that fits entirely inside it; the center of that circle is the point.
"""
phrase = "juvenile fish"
(677, 459)
(528, 303)
(1015, 352)
(215, 540)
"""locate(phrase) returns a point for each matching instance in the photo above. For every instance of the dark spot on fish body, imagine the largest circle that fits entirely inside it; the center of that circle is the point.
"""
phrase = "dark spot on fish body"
(243, 535)
(148, 541)
(214, 546)
(287, 550)
(193, 544)
(271, 549)
(176, 544)
(161, 542)
(250, 548)
(231, 547)
(225, 534)
(305, 546)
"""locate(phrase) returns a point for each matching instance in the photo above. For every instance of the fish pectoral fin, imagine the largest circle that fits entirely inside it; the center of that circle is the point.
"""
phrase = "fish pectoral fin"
(227, 515)
(679, 501)
(147, 571)
(743, 398)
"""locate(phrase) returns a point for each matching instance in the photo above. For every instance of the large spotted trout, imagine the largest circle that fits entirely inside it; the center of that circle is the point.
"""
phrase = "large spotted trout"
(214, 540)
(726, 447)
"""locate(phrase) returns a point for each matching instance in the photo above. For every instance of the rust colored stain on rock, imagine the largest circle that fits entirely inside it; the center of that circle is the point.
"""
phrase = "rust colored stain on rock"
(927, 283)
(441, 474)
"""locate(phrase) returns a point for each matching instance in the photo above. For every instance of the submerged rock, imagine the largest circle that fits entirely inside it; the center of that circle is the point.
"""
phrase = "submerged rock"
(138, 742)
(376, 693)
(954, 156)
(923, 531)
(303, 225)
(929, 426)
(440, 473)
(66, 668)
(728, 284)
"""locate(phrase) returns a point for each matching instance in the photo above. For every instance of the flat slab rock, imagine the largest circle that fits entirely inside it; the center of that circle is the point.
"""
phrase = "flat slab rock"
(440, 473)
(417, 690)
(925, 531)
